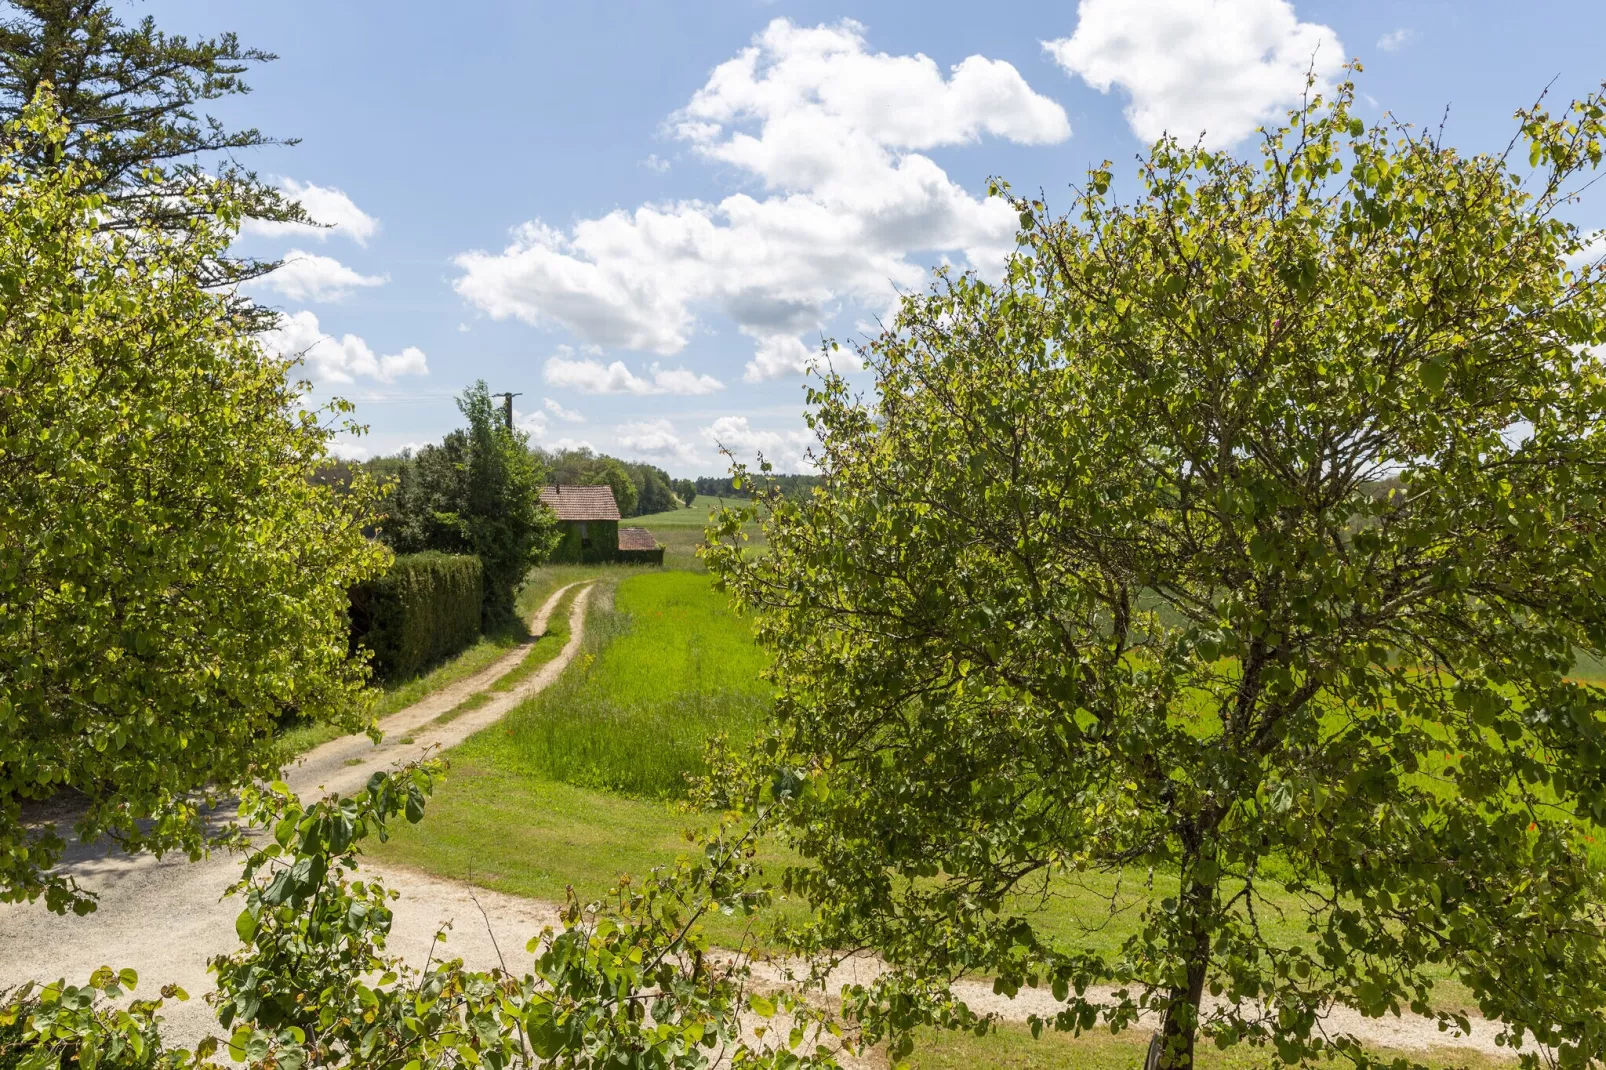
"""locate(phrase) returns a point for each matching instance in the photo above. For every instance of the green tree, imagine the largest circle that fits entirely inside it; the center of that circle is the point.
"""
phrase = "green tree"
(1237, 544)
(478, 492)
(429, 495)
(617, 476)
(654, 495)
(172, 579)
(130, 99)
(638, 488)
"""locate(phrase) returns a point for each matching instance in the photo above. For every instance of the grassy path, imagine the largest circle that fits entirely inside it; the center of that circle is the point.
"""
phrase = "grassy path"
(345, 764)
(481, 665)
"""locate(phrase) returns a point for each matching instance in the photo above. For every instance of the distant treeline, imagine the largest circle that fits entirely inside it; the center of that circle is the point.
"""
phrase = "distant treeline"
(792, 486)
(638, 488)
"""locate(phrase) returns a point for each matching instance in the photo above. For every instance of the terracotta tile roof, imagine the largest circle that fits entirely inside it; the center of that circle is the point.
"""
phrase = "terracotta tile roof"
(581, 503)
(637, 539)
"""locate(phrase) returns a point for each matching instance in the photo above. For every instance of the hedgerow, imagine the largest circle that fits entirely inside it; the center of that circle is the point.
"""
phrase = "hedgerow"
(427, 607)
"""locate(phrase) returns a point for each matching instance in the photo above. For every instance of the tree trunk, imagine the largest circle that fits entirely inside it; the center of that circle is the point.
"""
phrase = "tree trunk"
(1172, 1046)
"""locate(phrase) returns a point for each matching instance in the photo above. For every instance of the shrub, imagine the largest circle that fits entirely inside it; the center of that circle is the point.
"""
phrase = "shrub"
(427, 607)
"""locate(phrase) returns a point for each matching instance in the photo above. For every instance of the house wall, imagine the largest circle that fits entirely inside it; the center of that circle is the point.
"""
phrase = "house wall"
(604, 536)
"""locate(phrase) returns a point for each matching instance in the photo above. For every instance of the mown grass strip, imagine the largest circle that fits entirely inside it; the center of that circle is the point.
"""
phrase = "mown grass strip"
(547, 646)
(541, 582)
(394, 697)
(405, 693)
(473, 702)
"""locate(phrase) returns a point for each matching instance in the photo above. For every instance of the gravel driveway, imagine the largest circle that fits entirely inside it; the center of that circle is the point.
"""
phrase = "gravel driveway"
(166, 918)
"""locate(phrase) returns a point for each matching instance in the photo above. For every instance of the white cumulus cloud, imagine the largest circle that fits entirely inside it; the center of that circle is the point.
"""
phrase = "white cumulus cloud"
(337, 212)
(1220, 67)
(534, 423)
(778, 356)
(594, 377)
(654, 439)
(339, 360)
(568, 416)
(833, 133)
(312, 277)
(786, 450)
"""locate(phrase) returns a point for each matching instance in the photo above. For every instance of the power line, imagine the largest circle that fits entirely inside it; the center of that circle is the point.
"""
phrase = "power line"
(507, 407)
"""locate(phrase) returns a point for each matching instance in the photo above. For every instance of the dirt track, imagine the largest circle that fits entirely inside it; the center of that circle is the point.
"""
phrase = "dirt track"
(165, 918)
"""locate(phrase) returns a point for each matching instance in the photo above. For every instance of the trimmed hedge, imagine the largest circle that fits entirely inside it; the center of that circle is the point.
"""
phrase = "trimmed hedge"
(427, 607)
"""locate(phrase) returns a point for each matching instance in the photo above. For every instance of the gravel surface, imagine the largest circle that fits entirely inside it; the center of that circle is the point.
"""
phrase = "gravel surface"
(1407, 1033)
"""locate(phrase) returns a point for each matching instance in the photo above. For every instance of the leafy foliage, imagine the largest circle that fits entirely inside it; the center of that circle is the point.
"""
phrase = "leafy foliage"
(425, 608)
(128, 97)
(624, 489)
(55, 1025)
(171, 581)
(1245, 534)
(478, 492)
(625, 982)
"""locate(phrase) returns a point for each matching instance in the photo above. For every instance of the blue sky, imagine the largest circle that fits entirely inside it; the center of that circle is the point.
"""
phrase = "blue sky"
(643, 216)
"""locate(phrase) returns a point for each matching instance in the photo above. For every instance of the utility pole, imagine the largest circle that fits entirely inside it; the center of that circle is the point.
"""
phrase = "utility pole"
(507, 407)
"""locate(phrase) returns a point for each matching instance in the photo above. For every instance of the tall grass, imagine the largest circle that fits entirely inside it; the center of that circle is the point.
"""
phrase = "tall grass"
(661, 672)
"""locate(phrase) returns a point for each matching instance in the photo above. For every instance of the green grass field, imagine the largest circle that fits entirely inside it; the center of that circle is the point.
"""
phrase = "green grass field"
(665, 669)
(578, 786)
(681, 531)
(573, 786)
(695, 516)
(1012, 1048)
